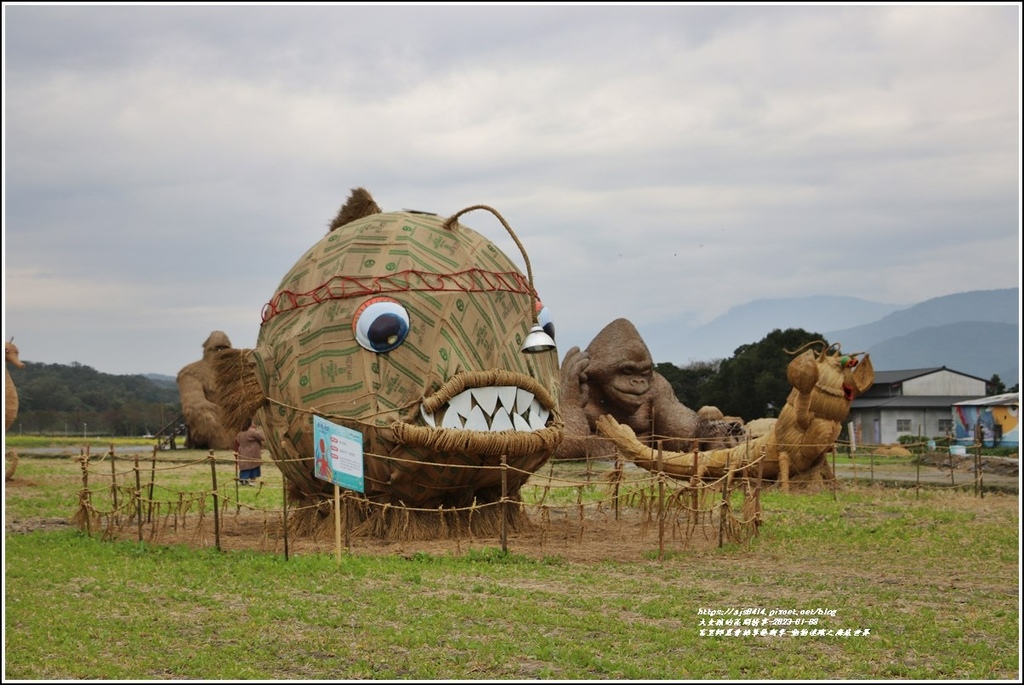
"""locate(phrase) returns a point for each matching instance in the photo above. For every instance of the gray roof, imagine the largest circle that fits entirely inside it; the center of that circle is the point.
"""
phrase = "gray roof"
(1008, 399)
(889, 377)
(909, 402)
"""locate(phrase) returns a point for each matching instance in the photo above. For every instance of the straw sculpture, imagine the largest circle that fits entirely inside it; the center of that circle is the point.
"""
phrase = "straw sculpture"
(197, 386)
(406, 327)
(10, 403)
(615, 376)
(824, 384)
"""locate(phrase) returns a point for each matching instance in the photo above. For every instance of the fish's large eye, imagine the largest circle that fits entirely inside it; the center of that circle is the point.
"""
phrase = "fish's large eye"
(545, 320)
(380, 324)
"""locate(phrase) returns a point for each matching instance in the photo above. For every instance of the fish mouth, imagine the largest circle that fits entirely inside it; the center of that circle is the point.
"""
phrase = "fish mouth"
(490, 412)
(490, 409)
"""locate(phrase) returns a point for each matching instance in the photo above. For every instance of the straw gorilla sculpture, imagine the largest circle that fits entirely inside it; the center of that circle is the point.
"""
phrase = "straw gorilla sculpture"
(825, 381)
(615, 376)
(197, 386)
(407, 328)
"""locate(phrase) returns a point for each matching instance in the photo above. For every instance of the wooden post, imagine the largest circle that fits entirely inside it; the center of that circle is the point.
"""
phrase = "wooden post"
(504, 498)
(113, 479)
(216, 502)
(661, 504)
(348, 520)
(337, 523)
(835, 474)
(695, 497)
(917, 494)
(757, 492)
(615, 487)
(152, 478)
(238, 482)
(284, 514)
(977, 468)
(83, 500)
(725, 500)
(138, 495)
(952, 480)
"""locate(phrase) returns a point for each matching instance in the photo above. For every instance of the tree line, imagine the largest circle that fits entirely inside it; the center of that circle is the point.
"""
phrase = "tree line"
(57, 399)
(77, 400)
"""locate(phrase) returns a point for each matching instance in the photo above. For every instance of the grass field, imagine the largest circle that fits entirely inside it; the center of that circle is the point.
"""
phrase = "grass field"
(900, 584)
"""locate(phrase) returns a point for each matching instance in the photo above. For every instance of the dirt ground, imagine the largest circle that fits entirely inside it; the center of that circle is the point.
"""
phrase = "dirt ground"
(570, 532)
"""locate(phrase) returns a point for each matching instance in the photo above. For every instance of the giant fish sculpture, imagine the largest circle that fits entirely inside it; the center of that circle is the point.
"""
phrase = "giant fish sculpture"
(409, 328)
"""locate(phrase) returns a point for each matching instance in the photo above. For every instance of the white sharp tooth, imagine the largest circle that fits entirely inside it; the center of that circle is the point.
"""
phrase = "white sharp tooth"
(501, 422)
(427, 418)
(521, 423)
(461, 404)
(507, 395)
(523, 400)
(538, 416)
(487, 398)
(476, 421)
(451, 420)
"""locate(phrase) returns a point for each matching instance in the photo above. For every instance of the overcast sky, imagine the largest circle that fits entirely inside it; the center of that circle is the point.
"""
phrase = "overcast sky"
(166, 165)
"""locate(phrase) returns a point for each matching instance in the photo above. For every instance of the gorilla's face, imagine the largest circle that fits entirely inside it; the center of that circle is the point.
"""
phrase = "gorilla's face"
(625, 382)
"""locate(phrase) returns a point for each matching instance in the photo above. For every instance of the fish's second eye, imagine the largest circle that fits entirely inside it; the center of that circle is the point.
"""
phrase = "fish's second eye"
(380, 324)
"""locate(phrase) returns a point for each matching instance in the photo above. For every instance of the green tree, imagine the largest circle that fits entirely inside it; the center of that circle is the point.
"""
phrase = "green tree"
(691, 382)
(753, 384)
(995, 385)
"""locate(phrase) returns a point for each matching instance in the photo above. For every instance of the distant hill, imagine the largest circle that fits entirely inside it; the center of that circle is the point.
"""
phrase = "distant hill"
(975, 332)
(750, 322)
(60, 398)
(976, 348)
(992, 306)
(163, 380)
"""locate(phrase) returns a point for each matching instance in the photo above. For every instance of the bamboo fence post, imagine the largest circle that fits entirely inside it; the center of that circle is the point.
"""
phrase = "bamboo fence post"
(83, 498)
(284, 514)
(152, 479)
(615, 487)
(835, 474)
(757, 492)
(661, 503)
(348, 521)
(981, 476)
(977, 468)
(695, 497)
(216, 501)
(138, 494)
(337, 524)
(917, 487)
(113, 479)
(504, 499)
(725, 500)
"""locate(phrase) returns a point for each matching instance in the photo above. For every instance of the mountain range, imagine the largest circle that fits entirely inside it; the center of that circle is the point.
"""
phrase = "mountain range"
(975, 332)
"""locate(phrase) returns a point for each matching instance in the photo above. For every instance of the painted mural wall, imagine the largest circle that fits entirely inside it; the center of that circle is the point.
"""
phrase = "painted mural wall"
(999, 425)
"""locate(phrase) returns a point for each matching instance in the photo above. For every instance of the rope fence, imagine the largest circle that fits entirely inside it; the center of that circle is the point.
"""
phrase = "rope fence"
(202, 503)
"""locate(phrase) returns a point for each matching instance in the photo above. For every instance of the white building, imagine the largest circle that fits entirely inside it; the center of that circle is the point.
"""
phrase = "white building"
(916, 402)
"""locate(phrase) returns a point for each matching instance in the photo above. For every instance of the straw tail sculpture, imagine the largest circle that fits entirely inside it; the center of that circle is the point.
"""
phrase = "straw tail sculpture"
(824, 382)
(197, 387)
(11, 356)
(409, 328)
(615, 376)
